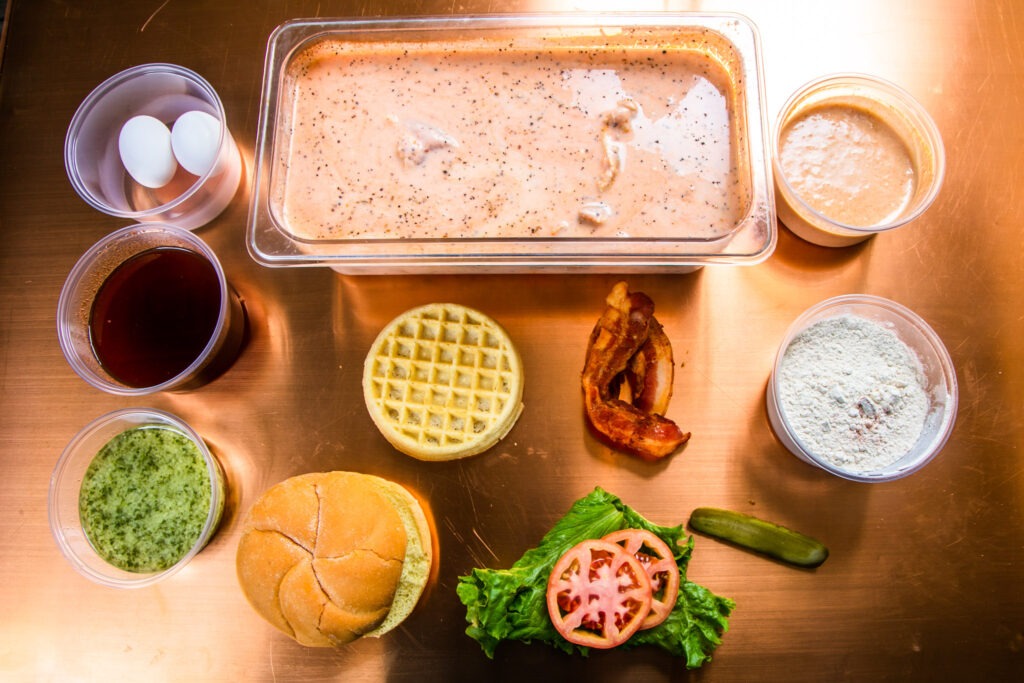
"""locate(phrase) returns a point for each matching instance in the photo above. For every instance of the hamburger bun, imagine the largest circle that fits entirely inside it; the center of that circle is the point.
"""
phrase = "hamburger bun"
(329, 557)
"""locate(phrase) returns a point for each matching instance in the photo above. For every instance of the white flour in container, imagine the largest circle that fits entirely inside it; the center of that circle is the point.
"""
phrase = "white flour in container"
(853, 393)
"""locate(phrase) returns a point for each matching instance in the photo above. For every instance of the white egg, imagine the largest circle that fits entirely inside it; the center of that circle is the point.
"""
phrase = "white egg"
(194, 139)
(145, 147)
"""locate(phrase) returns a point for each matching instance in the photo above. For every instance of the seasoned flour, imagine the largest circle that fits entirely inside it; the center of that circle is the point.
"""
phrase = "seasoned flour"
(853, 393)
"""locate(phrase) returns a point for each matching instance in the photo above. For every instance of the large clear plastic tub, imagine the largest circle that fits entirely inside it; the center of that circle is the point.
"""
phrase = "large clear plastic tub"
(526, 143)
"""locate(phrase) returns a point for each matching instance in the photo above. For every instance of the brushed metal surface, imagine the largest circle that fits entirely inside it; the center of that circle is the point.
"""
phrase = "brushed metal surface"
(925, 580)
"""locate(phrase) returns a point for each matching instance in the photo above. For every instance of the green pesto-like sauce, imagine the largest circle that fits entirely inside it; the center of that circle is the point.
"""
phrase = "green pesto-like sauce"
(145, 498)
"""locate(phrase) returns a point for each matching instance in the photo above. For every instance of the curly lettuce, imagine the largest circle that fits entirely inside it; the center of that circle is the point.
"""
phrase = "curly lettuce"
(510, 604)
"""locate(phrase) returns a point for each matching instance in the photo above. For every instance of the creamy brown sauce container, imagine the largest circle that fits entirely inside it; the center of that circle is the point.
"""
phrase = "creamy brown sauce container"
(875, 165)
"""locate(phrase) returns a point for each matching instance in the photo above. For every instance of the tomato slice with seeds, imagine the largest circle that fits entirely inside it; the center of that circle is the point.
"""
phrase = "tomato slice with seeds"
(598, 594)
(657, 559)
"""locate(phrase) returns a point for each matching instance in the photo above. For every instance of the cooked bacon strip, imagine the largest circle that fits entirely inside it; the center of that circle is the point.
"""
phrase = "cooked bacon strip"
(650, 372)
(624, 327)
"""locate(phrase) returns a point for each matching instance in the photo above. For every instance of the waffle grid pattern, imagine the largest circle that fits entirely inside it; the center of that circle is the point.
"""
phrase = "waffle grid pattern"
(443, 378)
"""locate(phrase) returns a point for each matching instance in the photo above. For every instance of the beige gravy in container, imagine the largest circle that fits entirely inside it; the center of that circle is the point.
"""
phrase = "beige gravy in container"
(493, 138)
(848, 165)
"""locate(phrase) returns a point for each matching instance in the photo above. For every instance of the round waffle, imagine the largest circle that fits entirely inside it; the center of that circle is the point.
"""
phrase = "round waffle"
(443, 381)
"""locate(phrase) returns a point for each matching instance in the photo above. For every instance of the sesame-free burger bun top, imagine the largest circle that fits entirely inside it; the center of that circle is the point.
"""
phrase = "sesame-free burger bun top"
(329, 557)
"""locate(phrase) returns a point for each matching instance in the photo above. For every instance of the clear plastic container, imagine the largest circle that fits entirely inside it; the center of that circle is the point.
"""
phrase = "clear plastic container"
(894, 108)
(935, 364)
(66, 483)
(90, 272)
(725, 43)
(93, 162)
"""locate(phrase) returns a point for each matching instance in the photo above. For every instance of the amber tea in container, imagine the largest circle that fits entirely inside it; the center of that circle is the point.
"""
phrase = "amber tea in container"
(148, 308)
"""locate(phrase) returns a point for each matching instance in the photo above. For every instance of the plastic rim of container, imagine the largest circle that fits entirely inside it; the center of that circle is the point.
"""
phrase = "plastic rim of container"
(80, 270)
(928, 341)
(69, 471)
(97, 94)
(833, 232)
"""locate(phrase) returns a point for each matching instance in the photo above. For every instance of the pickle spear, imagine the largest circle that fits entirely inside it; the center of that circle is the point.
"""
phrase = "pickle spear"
(756, 534)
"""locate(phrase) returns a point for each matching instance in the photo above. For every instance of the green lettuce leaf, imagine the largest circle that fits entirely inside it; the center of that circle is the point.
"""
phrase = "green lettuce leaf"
(510, 604)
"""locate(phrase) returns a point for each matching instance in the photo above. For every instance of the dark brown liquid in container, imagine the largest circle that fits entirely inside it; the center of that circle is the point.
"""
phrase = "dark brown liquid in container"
(154, 314)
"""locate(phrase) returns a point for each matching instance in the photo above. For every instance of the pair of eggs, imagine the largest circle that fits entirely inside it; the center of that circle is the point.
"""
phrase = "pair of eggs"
(151, 152)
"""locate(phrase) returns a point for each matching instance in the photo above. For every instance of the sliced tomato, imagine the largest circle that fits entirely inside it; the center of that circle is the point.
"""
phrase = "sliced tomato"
(657, 559)
(598, 594)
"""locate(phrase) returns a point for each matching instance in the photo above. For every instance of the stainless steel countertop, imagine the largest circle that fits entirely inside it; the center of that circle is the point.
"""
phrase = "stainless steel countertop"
(926, 576)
